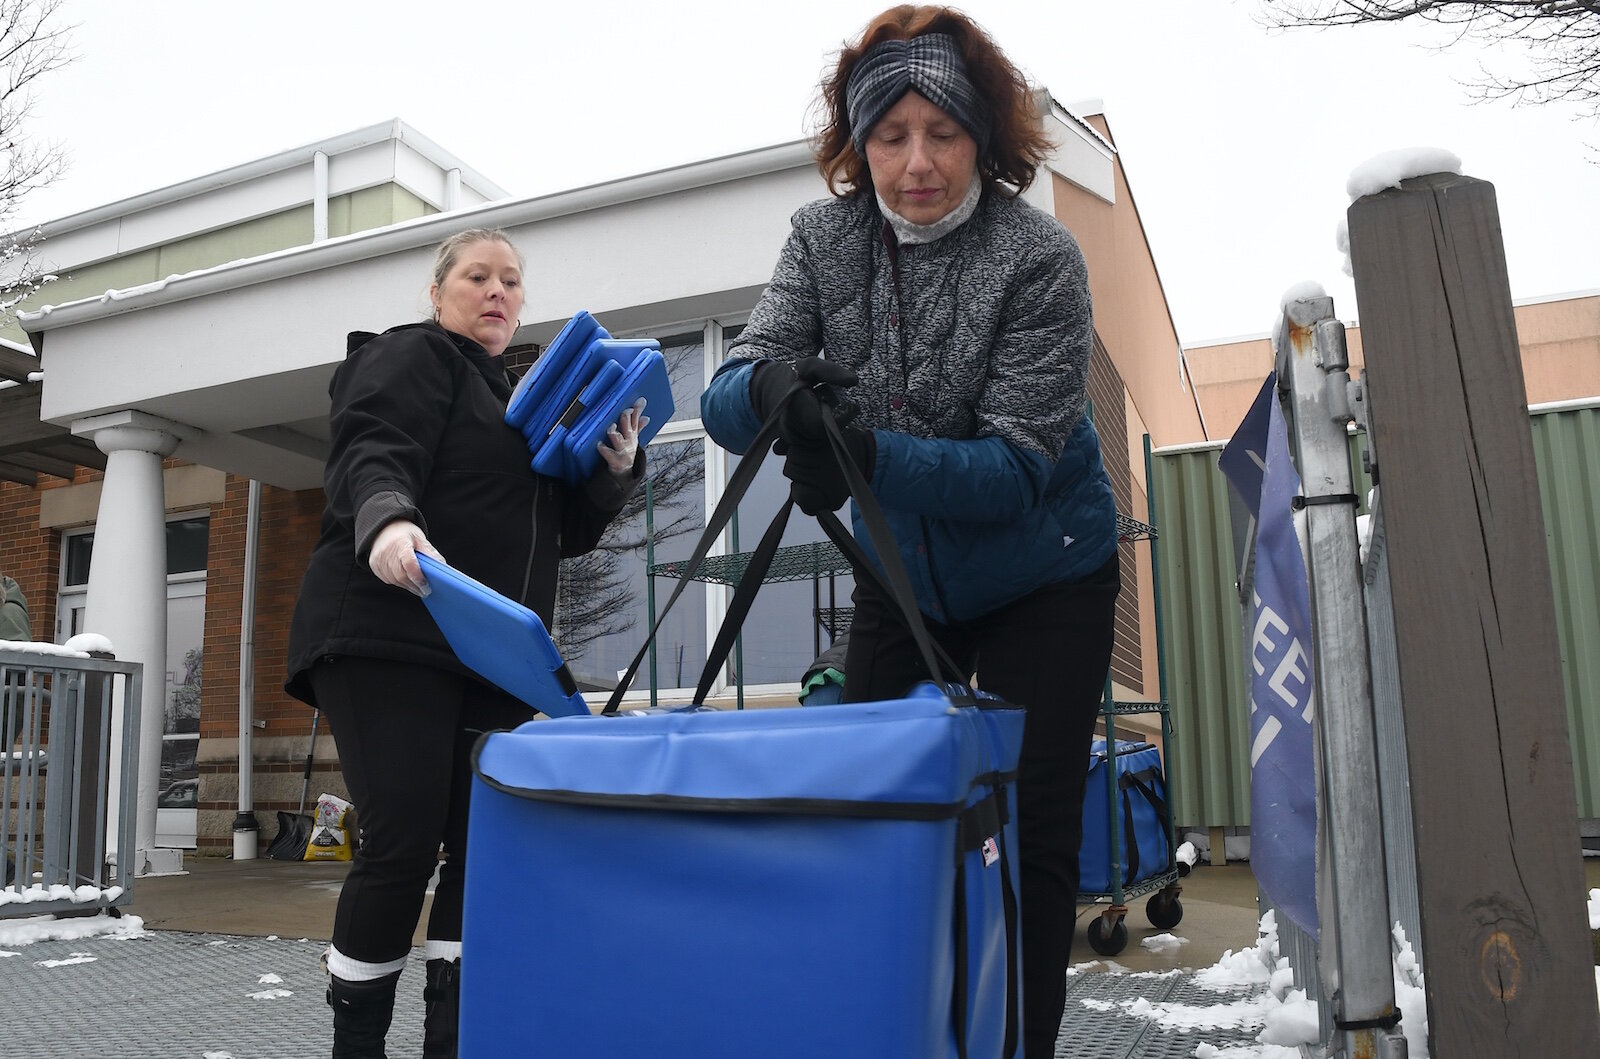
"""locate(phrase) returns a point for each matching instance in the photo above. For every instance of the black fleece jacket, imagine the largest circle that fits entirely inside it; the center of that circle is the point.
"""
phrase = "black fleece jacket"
(418, 432)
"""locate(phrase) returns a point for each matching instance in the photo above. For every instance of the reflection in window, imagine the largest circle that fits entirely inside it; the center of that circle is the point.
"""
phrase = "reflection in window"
(187, 544)
(602, 608)
(781, 634)
(80, 548)
(685, 357)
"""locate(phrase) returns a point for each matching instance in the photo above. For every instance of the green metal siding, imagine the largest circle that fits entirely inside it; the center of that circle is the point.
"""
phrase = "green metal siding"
(1202, 621)
(359, 211)
(369, 208)
(1566, 446)
(1203, 640)
(236, 242)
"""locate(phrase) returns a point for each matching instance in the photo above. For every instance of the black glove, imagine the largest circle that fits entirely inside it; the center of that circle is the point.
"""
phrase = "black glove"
(802, 420)
(817, 482)
(802, 417)
(769, 381)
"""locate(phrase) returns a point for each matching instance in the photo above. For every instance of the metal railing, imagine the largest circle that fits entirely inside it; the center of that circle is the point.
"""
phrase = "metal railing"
(67, 847)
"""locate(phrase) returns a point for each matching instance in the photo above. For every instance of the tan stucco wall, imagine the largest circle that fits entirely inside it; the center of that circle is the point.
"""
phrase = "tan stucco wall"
(1130, 307)
(1560, 343)
(1560, 348)
(1131, 318)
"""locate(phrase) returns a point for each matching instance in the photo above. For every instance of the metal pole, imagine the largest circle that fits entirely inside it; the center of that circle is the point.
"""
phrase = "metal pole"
(1168, 754)
(245, 828)
(650, 579)
(1312, 369)
(738, 641)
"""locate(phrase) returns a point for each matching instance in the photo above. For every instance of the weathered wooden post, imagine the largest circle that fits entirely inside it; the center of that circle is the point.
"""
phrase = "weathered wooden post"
(1505, 942)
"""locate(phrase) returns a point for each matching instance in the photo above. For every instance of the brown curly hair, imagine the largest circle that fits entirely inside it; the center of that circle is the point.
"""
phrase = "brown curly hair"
(1018, 144)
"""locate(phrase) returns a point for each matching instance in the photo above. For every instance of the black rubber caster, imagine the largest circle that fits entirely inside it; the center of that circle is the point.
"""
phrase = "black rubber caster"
(1164, 910)
(1107, 942)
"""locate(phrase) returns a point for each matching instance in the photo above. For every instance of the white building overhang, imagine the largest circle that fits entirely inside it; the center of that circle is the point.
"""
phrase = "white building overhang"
(243, 352)
(390, 152)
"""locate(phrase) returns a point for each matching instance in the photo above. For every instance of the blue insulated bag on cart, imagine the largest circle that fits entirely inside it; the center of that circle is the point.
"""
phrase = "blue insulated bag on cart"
(1141, 816)
(830, 883)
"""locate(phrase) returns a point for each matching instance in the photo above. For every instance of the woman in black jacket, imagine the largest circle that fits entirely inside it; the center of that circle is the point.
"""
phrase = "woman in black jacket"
(423, 461)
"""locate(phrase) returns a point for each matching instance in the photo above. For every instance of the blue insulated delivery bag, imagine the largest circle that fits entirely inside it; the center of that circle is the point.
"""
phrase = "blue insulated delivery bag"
(836, 882)
(1141, 816)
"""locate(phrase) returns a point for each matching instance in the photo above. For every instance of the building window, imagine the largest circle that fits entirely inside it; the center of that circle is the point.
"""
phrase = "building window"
(604, 606)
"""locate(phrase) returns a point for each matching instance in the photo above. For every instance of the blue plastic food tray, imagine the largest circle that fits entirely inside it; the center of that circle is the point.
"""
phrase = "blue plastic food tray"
(500, 640)
(645, 377)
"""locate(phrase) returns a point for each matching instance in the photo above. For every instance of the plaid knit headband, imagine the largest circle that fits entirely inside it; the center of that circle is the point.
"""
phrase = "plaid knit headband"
(930, 65)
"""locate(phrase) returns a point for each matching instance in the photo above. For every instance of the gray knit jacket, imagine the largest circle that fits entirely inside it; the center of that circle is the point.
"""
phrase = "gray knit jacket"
(973, 354)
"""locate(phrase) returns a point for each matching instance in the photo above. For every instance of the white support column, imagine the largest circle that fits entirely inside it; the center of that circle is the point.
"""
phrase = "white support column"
(127, 599)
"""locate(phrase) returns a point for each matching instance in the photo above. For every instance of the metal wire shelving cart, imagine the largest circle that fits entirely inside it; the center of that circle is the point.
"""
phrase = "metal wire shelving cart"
(1108, 934)
(812, 561)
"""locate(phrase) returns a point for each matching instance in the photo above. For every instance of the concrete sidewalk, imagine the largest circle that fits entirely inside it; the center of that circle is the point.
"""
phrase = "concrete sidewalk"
(228, 969)
(292, 899)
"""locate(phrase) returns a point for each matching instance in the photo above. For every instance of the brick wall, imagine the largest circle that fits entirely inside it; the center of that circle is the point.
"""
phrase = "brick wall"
(288, 529)
(289, 523)
(30, 554)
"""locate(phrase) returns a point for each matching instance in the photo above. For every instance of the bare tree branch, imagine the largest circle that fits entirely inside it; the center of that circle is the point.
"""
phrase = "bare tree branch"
(596, 596)
(32, 44)
(1560, 39)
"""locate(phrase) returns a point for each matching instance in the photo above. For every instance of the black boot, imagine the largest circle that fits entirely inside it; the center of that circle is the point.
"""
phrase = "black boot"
(441, 998)
(361, 1014)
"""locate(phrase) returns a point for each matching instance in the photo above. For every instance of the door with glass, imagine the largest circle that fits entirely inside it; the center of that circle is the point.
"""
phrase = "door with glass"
(177, 800)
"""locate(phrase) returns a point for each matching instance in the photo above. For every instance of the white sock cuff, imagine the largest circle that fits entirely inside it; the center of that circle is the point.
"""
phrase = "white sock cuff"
(441, 950)
(342, 966)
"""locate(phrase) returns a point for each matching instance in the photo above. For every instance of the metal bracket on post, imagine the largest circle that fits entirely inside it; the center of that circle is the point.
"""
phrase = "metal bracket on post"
(1312, 373)
(1356, 399)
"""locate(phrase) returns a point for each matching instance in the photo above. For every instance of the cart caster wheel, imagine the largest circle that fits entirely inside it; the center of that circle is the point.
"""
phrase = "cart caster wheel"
(1107, 942)
(1165, 911)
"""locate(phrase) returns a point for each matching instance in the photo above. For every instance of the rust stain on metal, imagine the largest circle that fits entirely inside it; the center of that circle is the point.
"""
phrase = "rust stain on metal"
(1501, 966)
(1301, 339)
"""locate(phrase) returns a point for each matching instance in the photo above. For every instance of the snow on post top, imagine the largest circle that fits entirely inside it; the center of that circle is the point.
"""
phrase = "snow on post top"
(90, 641)
(1386, 170)
(1304, 291)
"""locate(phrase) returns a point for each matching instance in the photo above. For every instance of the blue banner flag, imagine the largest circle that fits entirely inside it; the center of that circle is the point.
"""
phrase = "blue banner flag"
(1283, 799)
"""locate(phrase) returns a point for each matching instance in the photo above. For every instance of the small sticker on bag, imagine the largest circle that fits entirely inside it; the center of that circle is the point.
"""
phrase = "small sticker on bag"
(991, 852)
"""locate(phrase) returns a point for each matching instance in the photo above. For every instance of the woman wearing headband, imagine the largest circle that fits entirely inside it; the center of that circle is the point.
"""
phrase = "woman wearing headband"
(960, 317)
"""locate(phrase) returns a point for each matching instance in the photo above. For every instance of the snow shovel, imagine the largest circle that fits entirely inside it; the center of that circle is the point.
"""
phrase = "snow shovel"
(294, 829)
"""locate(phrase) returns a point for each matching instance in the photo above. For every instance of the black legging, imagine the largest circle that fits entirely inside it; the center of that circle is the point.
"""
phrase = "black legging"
(405, 733)
(1048, 652)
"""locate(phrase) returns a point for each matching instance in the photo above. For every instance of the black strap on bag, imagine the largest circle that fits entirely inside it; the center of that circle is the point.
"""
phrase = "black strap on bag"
(979, 821)
(1144, 781)
(738, 484)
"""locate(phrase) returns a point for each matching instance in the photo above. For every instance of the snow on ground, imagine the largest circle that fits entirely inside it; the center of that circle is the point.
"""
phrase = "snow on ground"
(1163, 942)
(58, 891)
(1255, 988)
(15, 933)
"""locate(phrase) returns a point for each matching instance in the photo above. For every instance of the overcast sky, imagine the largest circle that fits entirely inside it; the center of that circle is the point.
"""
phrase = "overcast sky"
(1237, 141)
